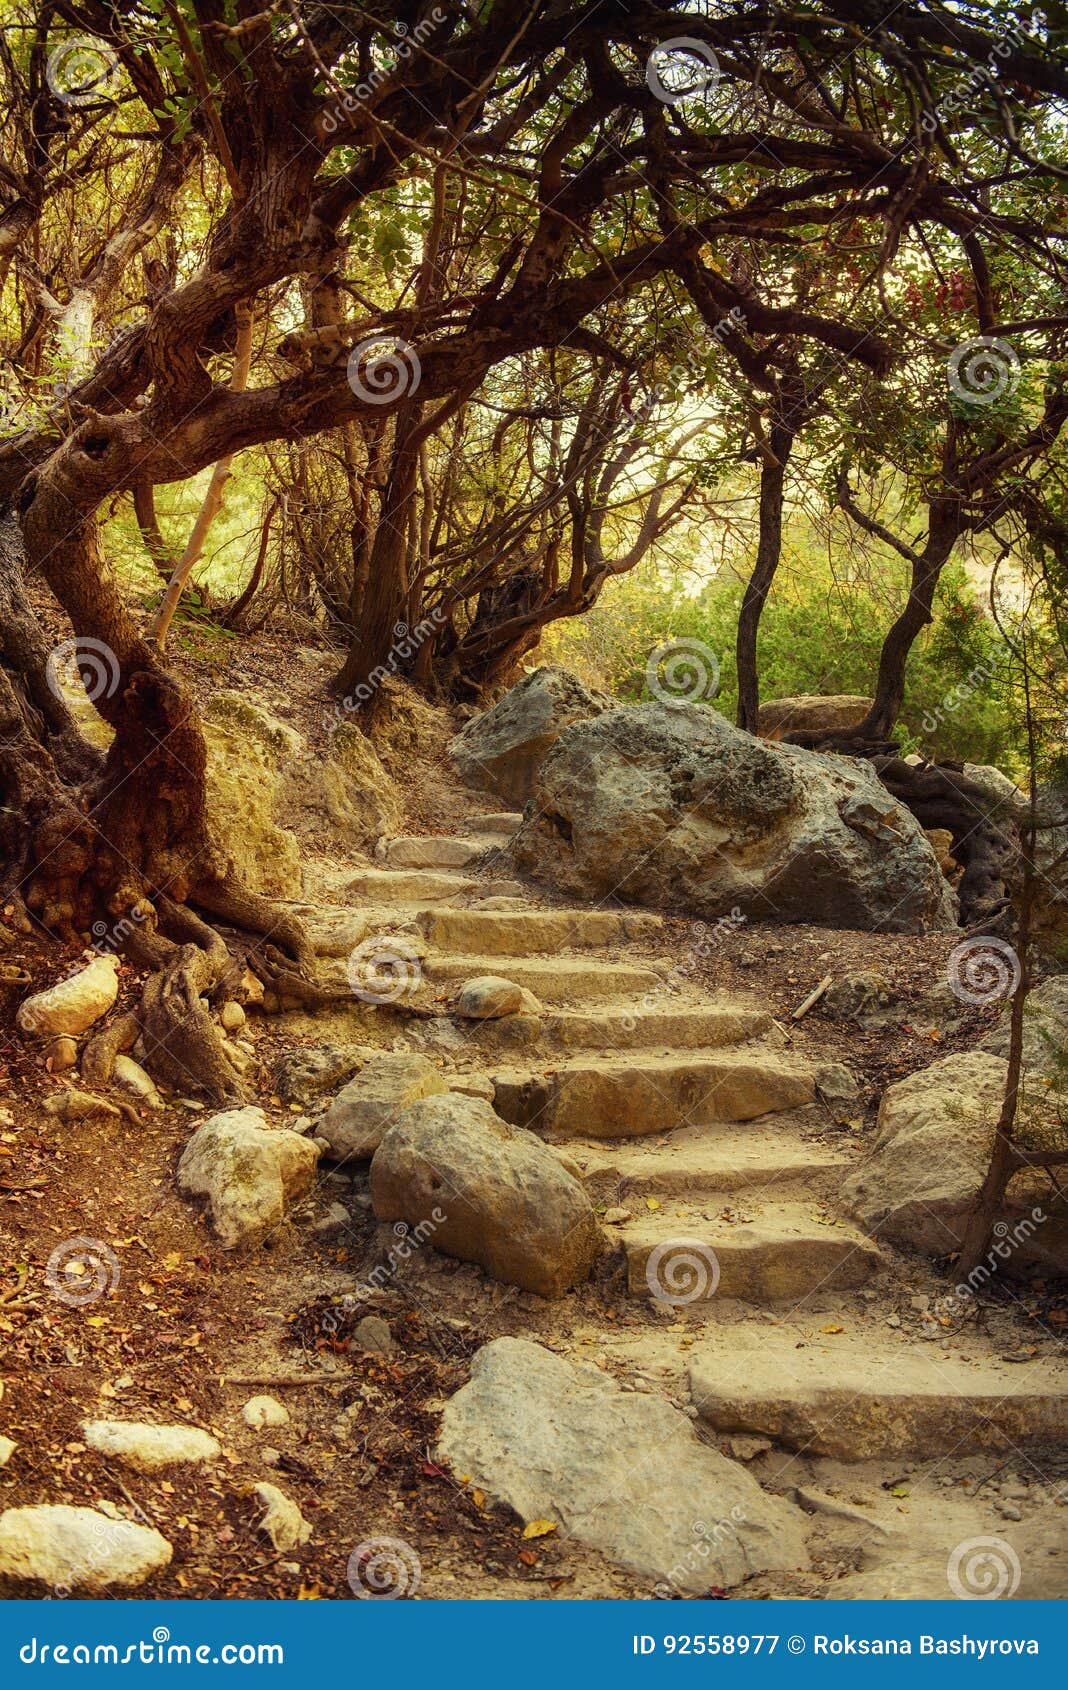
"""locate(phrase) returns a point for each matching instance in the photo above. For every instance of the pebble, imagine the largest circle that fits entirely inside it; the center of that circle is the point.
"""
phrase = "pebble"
(373, 1333)
(7, 1450)
(617, 1216)
(259, 1412)
(1008, 1510)
(232, 1016)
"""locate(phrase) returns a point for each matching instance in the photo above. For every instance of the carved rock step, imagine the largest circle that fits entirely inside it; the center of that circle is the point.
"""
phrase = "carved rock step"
(785, 1254)
(552, 979)
(523, 932)
(693, 1163)
(415, 886)
(629, 1026)
(438, 850)
(854, 1399)
(621, 1098)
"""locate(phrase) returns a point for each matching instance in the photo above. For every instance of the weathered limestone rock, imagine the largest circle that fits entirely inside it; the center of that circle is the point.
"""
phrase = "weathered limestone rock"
(488, 997)
(250, 1173)
(149, 1449)
(502, 750)
(488, 1193)
(779, 716)
(364, 1110)
(622, 1472)
(73, 1005)
(934, 1135)
(282, 1523)
(669, 805)
(78, 1549)
(316, 1069)
(260, 1412)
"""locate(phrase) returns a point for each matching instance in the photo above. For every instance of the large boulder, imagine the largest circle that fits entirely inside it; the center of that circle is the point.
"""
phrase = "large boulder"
(622, 1472)
(502, 750)
(486, 1192)
(780, 716)
(249, 1173)
(78, 1549)
(670, 805)
(365, 1109)
(934, 1136)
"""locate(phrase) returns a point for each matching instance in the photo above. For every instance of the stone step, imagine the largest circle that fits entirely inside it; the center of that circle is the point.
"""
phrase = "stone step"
(423, 886)
(861, 1397)
(551, 979)
(694, 1163)
(633, 1027)
(785, 1253)
(494, 821)
(438, 850)
(615, 1098)
(517, 933)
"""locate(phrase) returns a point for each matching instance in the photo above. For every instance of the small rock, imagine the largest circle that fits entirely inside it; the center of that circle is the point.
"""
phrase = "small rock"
(893, 1320)
(316, 1069)
(74, 1105)
(373, 1333)
(232, 1016)
(7, 1450)
(473, 1085)
(270, 1457)
(744, 1446)
(61, 1054)
(1009, 1510)
(487, 997)
(78, 1548)
(283, 1523)
(617, 1216)
(336, 1219)
(130, 1077)
(73, 1005)
(835, 1083)
(148, 1449)
(259, 1412)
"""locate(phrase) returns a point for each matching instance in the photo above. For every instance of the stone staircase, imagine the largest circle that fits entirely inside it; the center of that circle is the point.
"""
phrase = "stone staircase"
(699, 1135)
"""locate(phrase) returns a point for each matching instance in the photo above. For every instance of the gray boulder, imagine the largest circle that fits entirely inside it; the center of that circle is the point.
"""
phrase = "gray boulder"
(486, 1192)
(934, 1136)
(622, 1472)
(812, 711)
(502, 750)
(366, 1108)
(670, 805)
